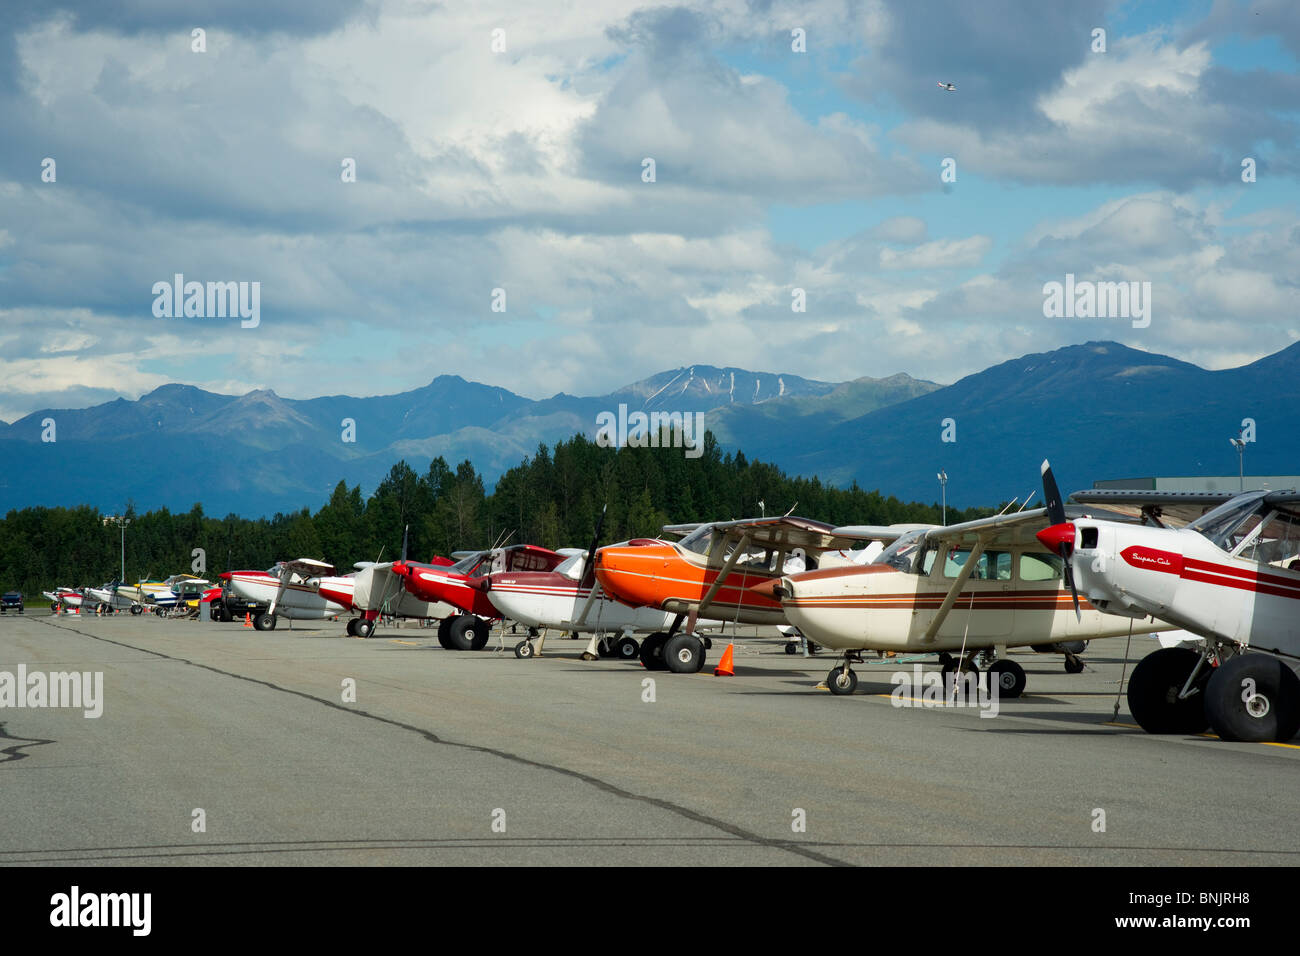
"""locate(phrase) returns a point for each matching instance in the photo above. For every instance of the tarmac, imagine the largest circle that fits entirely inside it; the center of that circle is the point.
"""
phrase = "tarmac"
(222, 745)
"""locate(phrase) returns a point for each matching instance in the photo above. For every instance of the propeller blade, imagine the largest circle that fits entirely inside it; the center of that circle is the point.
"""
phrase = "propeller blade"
(1052, 496)
(589, 568)
(406, 531)
(1059, 533)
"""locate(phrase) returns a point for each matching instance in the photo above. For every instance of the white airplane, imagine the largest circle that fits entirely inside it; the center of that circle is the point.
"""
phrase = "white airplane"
(286, 591)
(966, 592)
(110, 595)
(307, 589)
(948, 87)
(1231, 577)
(562, 599)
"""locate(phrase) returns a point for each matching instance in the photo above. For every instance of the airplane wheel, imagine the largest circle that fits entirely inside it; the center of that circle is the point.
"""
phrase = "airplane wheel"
(1008, 677)
(1074, 665)
(444, 630)
(791, 647)
(524, 649)
(708, 644)
(264, 622)
(136, 609)
(352, 627)
(478, 634)
(459, 636)
(1254, 697)
(627, 648)
(683, 654)
(603, 648)
(363, 628)
(842, 682)
(652, 649)
(1153, 693)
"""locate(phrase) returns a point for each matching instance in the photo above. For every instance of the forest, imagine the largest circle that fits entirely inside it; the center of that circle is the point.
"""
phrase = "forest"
(552, 499)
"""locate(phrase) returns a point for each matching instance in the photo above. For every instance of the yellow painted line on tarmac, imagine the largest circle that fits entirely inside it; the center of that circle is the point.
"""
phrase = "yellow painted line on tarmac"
(393, 640)
(1209, 736)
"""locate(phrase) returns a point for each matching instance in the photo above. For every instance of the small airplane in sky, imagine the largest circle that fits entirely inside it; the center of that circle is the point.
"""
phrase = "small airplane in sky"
(948, 86)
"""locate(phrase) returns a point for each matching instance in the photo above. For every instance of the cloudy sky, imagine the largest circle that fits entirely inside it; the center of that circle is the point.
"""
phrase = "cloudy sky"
(523, 169)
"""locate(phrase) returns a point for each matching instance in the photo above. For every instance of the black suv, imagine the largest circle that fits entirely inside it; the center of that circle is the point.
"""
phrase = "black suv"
(11, 601)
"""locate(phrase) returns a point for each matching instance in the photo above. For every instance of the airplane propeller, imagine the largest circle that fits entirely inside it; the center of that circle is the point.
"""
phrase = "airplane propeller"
(1059, 535)
(588, 579)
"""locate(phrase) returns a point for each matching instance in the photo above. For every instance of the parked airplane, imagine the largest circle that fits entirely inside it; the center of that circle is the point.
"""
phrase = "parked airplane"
(1231, 577)
(966, 592)
(458, 584)
(286, 591)
(711, 572)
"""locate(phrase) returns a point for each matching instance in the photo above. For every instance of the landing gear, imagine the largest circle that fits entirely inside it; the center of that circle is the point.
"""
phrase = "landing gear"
(1155, 689)
(363, 628)
(1008, 677)
(467, 633)
(352, 627)
(791, 647)
(444, 628)
(842, 680)
(652, 649)
(626, 648)
(1073, 664)
(137, 609)
(604, 647)
(524, 649)
(264, 622)
(1253, 697)
(683, 654)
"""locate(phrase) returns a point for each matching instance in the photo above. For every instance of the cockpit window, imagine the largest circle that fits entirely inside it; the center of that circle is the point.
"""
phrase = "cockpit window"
(1277, 542)
(699, 540)
(467, 564)
(1230, 523)
(902, 553)
(571, 567)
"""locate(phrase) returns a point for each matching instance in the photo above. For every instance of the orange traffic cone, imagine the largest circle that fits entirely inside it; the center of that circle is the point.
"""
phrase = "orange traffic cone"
(248, 619)
(724, 666)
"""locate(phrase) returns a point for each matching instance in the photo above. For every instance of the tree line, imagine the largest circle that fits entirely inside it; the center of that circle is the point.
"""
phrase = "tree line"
(552, 499)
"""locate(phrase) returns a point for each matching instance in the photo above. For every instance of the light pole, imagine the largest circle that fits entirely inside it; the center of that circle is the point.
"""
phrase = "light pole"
(1240, 444)
(943, 493)
(121, 522)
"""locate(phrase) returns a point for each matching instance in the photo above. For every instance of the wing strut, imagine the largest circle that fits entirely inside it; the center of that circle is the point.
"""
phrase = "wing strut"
(951, 598)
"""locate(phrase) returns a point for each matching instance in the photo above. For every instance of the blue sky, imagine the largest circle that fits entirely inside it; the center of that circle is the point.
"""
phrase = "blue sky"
(521, 169)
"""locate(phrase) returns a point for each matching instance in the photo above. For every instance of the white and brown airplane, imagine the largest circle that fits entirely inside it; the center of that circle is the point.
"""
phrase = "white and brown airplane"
(1231, 577)
(966, 592)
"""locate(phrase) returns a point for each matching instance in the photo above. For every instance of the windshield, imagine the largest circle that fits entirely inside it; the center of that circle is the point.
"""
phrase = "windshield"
(1227, 525)
(902, 553)
(466, 565)
(698, 540)
(571, 567)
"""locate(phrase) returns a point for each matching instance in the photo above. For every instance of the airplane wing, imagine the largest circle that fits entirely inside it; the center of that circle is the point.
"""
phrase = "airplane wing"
(1170, 508)
(878, 532)
(307, 567)
(784, 533)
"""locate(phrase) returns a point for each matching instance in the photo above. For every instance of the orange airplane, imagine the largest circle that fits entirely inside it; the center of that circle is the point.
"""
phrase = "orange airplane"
(710, 573)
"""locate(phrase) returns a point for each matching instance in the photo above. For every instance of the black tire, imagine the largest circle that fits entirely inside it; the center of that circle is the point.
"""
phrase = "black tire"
(444, 629)
(652, 651)
(708, 643)
(524, 650)
(352, 627)
(683, 654)
(264, 622)
(1073, 665)
(1272, 713)
(626, 648)
(479, 631)
(467, 633)
(363, 628)
(791, 647)
(1153, 693)
(137, 609)
(841, 682)
(604, 647)
(1008, 677)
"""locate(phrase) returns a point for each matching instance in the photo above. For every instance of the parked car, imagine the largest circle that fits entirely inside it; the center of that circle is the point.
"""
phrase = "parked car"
(11, 601)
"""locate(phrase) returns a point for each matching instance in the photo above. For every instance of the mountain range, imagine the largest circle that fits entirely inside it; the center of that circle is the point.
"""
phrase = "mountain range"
(1097, 410)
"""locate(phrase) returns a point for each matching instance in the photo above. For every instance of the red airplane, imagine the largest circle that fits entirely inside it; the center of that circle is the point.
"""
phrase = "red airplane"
(461, 585)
